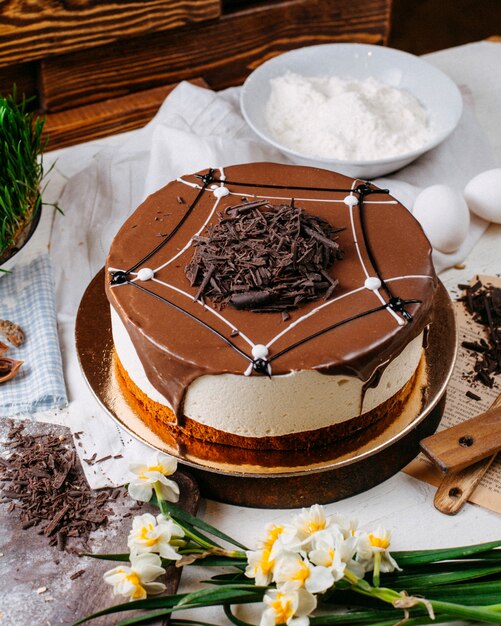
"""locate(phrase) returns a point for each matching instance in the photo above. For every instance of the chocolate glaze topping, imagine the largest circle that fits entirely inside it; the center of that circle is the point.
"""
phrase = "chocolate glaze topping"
(357, 332)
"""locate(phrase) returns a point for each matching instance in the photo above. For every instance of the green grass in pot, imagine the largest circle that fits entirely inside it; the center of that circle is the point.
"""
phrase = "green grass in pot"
(21, 172)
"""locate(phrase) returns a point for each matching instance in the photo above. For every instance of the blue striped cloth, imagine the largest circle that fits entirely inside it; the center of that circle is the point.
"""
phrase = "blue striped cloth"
(27, 298)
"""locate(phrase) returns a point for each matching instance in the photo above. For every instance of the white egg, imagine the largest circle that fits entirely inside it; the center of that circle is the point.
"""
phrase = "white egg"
(444, 216)
(483, 195)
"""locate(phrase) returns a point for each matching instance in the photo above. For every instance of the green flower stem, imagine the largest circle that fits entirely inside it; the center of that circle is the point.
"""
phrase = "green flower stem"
(377, 566)
(188, 532)
(486, 614)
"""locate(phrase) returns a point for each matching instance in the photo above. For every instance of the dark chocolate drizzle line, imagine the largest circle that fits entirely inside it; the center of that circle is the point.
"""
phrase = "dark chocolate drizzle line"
(191, 316)
(266, 186)
(120, 277)
(395, 303)
(326, 330)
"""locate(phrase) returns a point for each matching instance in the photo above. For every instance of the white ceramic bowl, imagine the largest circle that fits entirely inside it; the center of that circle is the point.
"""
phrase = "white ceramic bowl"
(434, 90)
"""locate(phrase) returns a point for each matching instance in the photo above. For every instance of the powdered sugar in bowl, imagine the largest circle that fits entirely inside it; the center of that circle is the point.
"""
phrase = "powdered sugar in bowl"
(361, 110)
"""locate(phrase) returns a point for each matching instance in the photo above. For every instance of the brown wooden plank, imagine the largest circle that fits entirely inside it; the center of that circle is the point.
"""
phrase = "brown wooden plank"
(106, 118)
(466, 443)
(428, 25)
(24, 76)
(222, 52)
(28, 561)
(42, 28)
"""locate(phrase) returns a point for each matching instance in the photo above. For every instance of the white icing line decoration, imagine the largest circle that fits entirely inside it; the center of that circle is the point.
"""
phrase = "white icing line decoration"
(207, 308)
(372, 283)
(145, 273)
(211, 213)
(328, 303)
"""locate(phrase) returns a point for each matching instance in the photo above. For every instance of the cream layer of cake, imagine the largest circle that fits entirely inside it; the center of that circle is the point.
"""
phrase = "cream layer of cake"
(298, 401)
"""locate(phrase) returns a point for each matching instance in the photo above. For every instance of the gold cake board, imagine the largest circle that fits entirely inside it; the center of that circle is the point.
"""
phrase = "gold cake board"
(280, 479)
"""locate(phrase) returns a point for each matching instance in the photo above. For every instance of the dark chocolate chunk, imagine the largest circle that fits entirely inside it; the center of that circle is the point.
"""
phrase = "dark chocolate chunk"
(264, 258)
(473, 396)
(484, 304)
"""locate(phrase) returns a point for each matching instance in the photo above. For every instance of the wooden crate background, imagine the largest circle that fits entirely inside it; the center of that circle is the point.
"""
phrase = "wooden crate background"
(96, 67)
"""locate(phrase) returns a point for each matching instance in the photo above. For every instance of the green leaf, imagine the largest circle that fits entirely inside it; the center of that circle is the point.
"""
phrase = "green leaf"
(233, 619)
(386, 617)
(189, 622)
(218, 597)
(410, 581)
(421, 557)
(211, 593)
(469, 593)
(222, 561)
(239, 577)
(123, 557)
(149, 618)
(185, 517)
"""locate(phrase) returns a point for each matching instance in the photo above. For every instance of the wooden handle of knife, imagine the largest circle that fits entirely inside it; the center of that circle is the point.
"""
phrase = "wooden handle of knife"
(457, 487)
(460, 446)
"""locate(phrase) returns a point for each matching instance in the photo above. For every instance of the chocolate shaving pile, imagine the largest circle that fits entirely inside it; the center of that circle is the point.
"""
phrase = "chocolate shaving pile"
(265, 258)
(484, 303)
(43, 483)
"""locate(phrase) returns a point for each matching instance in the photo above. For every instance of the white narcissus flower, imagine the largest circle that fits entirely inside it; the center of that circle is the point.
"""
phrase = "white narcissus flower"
(161, 466)
(260, 566)
(150, 534)
(329, 548)
(288, 606)
(308, 523)
(280, 538)
(136, 581)
(296, 571)
(328, 551)
(347, 527)
(273, 534)
(371, 543)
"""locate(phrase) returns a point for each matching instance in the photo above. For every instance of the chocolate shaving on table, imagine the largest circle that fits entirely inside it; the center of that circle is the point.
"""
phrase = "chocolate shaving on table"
(483, 302)
(472, 395)
(264, 258)
(44, 485)
(12, 332)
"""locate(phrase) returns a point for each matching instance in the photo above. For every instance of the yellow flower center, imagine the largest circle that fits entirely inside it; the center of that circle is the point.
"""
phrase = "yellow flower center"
(302, 572)
(283, 608)
(143, 535)
(156, 468)
(152, 468)
(134, 580)
(312, 526)
(273, 534)
(331, 557)
(266, 564)
(379, 542)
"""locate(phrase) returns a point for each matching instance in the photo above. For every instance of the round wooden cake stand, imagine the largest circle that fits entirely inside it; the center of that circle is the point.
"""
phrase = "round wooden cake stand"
(280, 479)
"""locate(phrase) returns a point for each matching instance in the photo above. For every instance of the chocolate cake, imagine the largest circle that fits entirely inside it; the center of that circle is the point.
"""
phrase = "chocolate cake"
(269, 306)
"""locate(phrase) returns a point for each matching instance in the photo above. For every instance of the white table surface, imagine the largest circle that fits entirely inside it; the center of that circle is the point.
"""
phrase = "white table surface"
(400, 503)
